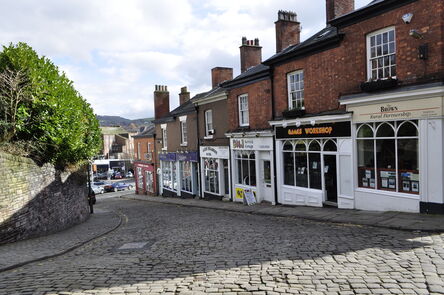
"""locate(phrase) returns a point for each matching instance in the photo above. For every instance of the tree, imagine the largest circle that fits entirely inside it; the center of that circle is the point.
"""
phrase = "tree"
(52, 114)
(14, 95)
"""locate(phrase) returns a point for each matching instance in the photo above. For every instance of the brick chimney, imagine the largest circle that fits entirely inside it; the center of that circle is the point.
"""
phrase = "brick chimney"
(250, 54)
(336, 8)
(184, 95)
(220, 74)
(288, 30)
(161, 101)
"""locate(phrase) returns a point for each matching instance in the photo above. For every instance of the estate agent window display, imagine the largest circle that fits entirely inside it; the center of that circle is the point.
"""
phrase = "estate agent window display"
(169, 179)
(388, 156)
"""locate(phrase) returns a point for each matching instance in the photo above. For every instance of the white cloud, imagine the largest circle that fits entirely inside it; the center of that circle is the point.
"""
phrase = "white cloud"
(116, 51)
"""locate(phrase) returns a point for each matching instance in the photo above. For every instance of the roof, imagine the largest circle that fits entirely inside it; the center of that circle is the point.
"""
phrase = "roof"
(330, 36)
(185, 108)
(253, 74)
(218, 90)
(325, 38)
(148, 131)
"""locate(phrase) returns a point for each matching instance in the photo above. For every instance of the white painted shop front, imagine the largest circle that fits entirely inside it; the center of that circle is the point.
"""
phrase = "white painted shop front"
(252, 162)
(216, 170)
(398, 149)
(314, 161)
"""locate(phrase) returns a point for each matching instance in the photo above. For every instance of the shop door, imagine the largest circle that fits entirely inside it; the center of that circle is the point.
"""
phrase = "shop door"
(267, 188)
(226, 178)
(330, 180)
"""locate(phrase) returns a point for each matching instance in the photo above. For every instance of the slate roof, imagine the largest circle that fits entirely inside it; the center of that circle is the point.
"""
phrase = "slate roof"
(255, 73)
(149, 131)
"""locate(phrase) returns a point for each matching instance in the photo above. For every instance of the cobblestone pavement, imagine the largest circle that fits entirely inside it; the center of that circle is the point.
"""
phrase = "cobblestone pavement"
(193, 250)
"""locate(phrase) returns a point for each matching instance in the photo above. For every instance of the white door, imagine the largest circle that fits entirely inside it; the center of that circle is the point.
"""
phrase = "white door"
(266, 176)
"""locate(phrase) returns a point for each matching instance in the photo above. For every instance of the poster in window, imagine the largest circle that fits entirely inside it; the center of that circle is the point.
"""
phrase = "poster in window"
(406, 185)
(326, 169)
(392, 183)
(384, 182)
(368, 174)
(315, 165)
(364, 182)
(415, 186)
(372, 182)
(414, 176)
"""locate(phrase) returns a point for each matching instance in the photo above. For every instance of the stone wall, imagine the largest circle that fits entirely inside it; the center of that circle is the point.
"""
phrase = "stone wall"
(38, 200)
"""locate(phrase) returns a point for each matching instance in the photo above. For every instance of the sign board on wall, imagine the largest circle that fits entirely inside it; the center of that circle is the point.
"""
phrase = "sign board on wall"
(187, 156)
(258, 144)
(216, 152)
(337, 129)
(398, 110)
(167, 156)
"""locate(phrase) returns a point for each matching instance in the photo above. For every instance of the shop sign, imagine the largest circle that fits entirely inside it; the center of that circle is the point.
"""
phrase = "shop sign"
(240, 193)
(251, 144)
(167, 157)
(337, 129)
(398, 110)
(143, 165)
(187, 157)
(218, 152)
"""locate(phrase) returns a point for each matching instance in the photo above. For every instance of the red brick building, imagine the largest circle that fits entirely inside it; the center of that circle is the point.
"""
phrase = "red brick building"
(251, 136)
(145, 164)
(354, 105)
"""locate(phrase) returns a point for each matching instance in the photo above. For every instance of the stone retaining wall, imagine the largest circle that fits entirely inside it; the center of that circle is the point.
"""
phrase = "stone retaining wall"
(38, 200)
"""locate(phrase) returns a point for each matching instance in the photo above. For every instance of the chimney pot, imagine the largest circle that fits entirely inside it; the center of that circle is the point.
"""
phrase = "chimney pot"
(250, 53)
(288, 30)
(161, 101)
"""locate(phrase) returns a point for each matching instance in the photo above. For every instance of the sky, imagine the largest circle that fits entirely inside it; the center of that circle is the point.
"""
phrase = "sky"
(116, 51)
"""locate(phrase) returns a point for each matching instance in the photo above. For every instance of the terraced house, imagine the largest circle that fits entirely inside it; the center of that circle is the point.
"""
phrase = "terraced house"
(358, 108)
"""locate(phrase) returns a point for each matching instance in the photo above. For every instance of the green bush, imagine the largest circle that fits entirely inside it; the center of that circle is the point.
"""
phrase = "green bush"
(53, 115)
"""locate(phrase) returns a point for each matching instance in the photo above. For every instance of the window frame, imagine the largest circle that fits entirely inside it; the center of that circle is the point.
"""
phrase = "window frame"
(164, 138)
(299, 73)
(246, 121)
(209, 114)
(183, 133)
(369, 57)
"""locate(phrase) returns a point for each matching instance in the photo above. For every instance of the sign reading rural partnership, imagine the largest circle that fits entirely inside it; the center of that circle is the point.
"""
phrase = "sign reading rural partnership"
(338, 129)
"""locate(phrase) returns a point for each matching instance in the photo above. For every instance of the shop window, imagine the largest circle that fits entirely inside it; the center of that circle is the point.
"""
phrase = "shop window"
(381, 54)
(302, 166)
(139, 178)
(330, 146)
(169, 175)
(186, 172)
(149, 178)
(389, 158)
(246, 168)
(211, 173)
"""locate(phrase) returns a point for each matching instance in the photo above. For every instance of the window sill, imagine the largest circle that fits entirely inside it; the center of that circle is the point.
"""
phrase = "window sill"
(303, 188)
(184, 144)
(388, 193)
(164, 149)
(208, 137)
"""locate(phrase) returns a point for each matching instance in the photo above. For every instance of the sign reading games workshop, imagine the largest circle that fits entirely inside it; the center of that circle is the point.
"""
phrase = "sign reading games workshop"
(338, 129)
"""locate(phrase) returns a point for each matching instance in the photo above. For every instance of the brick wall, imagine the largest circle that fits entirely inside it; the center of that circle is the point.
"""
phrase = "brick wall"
(338, 71)
(259, 105)
(36, 200)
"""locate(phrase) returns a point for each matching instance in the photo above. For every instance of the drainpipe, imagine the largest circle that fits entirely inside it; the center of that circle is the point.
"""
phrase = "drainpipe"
(274, 137)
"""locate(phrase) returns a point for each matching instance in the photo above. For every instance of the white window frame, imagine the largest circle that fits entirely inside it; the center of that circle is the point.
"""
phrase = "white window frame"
(243, 109)
(209, 124)
(164, 137)
(297, 88)
(183, 133)
(383, 56)
(138, 151)
(149, 147)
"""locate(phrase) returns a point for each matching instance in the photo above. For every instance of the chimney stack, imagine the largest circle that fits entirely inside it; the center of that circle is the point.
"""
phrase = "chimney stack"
(161, 101)
(288, 30)
(184, 95)
(337, 8)
(250, 53)
(220, 74)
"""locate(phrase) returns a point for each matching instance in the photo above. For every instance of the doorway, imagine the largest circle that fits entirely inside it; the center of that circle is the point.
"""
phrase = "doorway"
(330, 180)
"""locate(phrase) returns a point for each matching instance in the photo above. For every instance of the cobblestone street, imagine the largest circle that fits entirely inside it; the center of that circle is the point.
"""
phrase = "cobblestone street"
(184, 250)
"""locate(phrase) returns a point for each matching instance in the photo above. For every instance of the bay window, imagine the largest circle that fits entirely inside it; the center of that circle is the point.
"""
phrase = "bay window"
(388, 156)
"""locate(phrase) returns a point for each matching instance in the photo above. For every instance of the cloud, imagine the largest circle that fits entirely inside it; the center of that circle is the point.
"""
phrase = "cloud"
(116, 51)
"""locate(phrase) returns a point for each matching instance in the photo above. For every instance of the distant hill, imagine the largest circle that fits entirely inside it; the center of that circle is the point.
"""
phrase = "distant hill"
(113, 121)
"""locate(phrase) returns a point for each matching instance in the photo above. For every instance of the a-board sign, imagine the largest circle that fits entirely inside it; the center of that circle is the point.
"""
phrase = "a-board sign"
(249, 198)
